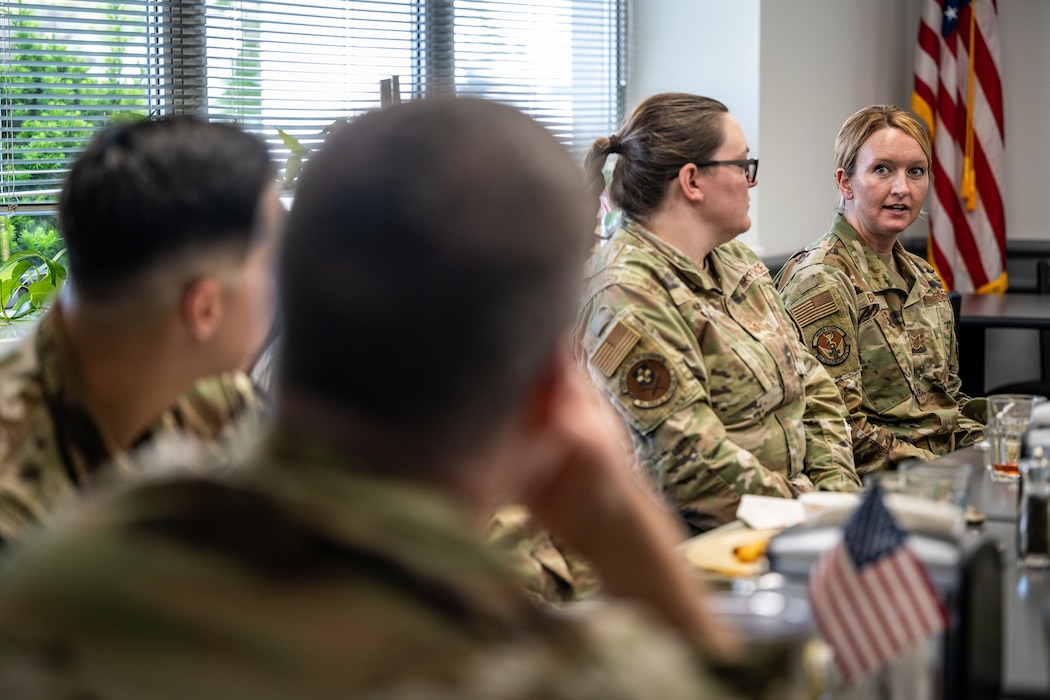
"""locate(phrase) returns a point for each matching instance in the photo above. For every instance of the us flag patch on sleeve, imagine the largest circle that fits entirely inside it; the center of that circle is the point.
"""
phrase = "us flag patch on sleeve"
(614, 349)
(814, 309)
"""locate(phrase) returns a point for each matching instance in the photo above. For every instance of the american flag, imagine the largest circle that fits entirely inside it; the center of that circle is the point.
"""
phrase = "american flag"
(870, 594)
(959, 94)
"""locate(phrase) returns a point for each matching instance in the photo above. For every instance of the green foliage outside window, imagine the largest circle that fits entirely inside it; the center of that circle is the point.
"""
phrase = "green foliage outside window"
(52, 121)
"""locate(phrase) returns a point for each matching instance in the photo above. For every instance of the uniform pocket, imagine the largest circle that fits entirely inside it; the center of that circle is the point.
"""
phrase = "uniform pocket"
(885, 353)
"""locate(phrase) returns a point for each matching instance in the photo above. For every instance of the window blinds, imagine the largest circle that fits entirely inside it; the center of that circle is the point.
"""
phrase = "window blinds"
(70, 67)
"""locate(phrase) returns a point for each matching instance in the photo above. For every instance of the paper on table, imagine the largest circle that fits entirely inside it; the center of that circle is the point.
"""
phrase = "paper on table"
(912, 514)
(764, 512)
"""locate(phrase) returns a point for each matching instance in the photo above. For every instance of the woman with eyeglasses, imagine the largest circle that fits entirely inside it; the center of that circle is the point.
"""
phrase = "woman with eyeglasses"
(874, 314)
(682, 326)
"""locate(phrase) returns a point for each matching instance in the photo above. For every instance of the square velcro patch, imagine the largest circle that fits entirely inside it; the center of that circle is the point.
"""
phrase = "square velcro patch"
(614, 349)
(813, 309)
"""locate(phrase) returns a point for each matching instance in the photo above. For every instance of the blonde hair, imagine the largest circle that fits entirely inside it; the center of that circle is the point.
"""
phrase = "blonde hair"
(664, 132)
(863, 123)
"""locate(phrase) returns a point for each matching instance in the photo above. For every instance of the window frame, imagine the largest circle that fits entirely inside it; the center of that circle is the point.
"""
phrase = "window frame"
(175, 72)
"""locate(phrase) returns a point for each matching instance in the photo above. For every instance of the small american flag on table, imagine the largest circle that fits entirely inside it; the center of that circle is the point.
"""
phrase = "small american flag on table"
(871, 595)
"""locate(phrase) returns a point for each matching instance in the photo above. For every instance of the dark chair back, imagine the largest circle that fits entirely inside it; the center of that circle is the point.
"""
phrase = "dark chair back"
(1041, 386)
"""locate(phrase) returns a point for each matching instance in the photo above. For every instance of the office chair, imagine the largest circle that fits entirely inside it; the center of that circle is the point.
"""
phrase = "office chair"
(1041, 386)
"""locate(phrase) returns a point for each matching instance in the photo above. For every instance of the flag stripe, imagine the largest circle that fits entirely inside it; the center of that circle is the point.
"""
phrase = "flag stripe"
(834, 619)
(920, 594)
(987, 63)
(842, 616)
(968, 247)
(879, 586)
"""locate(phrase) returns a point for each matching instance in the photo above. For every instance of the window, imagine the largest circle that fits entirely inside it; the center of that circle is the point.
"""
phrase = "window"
(70, 67)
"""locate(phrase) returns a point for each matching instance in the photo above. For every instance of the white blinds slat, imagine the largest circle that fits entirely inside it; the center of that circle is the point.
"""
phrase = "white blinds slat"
(70, 66)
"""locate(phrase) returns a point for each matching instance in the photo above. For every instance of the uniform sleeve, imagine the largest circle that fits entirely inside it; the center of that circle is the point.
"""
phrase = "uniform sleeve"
(972, 410)
(827, 312)
(647, 360)
(546, 569)
(829, 454)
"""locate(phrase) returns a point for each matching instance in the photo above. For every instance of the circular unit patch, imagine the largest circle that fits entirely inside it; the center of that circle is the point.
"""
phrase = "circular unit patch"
(649, 381)
(830, 346)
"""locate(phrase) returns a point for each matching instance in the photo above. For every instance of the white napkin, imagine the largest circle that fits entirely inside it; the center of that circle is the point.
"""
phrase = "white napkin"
(924, 516)
(912, 514)
(764, 512)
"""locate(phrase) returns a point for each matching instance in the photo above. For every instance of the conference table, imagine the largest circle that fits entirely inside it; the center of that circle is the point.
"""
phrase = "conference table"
(979, 312)
(1026, 592)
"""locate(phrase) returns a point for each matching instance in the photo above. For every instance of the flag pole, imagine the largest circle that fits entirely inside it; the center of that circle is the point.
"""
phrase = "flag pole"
(968, 190)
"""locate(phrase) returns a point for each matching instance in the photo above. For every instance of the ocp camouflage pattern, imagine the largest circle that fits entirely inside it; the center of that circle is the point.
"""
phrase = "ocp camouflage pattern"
(744, 408)
(898, 369)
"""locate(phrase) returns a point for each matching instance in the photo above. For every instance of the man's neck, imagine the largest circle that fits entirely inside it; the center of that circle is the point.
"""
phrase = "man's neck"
(131, 372)
(390, 452)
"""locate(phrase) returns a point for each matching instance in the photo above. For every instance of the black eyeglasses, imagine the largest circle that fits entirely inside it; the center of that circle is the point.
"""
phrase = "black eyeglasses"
(750, 166)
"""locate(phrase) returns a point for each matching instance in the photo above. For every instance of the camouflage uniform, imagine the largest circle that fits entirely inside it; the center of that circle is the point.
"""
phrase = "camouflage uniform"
(888, 341)
(51, 447)
(707, 368)
(547, 569)
(305, 574)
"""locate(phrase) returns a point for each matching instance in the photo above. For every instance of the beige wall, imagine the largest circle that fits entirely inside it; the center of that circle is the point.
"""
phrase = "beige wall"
(793, 70)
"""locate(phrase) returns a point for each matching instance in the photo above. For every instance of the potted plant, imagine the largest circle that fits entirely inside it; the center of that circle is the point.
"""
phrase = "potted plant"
(29, 280)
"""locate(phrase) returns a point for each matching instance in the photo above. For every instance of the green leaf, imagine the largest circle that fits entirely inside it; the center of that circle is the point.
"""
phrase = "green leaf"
(293, 144)
(28, 282)
(23, 307)
(41, 292)
(11, 280)
(19, 327)
(14, 269)
(23, 255)
(292, 169)
(121, 118)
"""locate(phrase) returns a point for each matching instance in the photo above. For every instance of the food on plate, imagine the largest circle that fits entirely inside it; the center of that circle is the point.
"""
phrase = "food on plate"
(751, 551)
(737, 551)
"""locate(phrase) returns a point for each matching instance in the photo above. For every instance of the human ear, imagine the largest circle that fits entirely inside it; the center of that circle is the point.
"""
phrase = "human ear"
(842, 179)
(688, 181)
(202, 308)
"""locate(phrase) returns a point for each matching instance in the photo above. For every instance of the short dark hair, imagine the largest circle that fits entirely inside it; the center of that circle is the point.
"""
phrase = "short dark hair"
(142, 193)
(432, 258)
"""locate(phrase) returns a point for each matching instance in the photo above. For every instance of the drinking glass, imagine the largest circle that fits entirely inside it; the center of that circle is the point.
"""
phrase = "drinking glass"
(1009, 416)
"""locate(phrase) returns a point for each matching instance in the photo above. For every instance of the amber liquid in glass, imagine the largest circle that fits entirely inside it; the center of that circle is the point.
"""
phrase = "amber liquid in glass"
(1006, 468)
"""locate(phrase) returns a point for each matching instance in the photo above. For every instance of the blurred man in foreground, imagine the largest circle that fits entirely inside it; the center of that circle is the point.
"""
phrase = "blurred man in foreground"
(428, 278)
(170, 227)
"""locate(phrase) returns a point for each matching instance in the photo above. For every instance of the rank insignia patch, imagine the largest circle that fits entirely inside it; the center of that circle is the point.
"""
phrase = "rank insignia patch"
(918, 340)
(830, 346)
(648, 381)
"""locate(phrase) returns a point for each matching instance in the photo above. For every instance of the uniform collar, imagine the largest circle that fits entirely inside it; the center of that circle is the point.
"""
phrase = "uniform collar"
(878, 275)
(722, 273)
(81, 441)
(346, 496)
